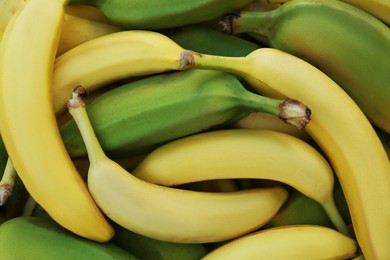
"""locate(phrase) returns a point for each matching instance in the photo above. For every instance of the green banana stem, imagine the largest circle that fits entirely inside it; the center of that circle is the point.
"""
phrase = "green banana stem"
(7, 182)
(76, 107)
(291, 111)
(335, 216)
(29, 206)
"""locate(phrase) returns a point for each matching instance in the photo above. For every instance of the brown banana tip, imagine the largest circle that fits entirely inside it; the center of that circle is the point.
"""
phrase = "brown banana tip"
(295, 113)
(79, 94)
(5, 193)
(225, 24)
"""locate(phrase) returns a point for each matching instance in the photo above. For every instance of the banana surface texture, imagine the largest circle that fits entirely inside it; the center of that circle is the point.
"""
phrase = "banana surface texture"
(28, 123)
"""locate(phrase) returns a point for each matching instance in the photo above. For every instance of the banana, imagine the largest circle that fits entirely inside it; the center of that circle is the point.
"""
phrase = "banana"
(338, 126)
(39, 238)
(121, 55)
(290, 242)
(378, 8)
(208, 40)
(28, 124)
(128, 121)
(152, 249)
(166, 213)
(385, 139)
(264, 121)
(81, 23)
(77, 30)
(157, 14)
(235, 154)
(339, 39)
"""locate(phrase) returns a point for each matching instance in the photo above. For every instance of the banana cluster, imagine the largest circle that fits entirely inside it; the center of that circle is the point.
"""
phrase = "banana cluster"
(212, 129)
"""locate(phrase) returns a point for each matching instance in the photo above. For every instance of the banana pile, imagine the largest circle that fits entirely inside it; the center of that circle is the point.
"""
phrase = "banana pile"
(210, 129)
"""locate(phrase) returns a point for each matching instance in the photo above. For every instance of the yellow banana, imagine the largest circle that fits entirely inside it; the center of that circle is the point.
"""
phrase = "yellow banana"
(166, 213)
(378, 8)
(289, 242)
(82, 23)
(338, 126)
(264, 121)
(77, 30)
(28, 123)
(112, 57)
(238, 154)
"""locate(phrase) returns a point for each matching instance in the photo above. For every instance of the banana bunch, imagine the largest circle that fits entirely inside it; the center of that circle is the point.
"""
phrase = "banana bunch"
(194, 163)
(318, 32)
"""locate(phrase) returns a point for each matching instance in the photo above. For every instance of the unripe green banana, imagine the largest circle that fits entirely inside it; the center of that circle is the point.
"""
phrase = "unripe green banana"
(159, 14)
(39, 238)
(152, 249)
(140, 116)
(349, 45)
(204, 39)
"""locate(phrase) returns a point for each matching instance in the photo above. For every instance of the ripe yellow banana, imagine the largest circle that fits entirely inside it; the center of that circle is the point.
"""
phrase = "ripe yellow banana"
(82, 23)
(77, 30)
(338, 126)
(112, 57)
(264, 121)
(248, 154)
(289, 242)
(28, 123)
(166, 213)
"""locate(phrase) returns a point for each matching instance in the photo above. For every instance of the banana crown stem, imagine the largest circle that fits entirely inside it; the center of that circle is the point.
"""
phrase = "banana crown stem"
(76, 107)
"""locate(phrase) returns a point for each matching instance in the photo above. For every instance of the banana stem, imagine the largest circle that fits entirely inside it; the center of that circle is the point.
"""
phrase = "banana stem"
(76, 107)
(7, 182)
(335, 216)
(29, 206)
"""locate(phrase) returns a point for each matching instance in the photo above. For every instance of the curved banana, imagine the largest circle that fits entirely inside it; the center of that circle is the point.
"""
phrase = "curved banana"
(42, 238)
(337, 38)
(28, 124)
(160, 14)
(77, 30)
(378, 8)
(263, 121)
(120, 55)
(289, 242)
(248, 154)
(128, 121)
(338, 126)
(166, 213)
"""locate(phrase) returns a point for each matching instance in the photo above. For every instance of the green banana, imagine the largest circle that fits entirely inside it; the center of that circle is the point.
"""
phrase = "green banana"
(147, 248)
(138, 117)
(349, 45)
(40, 238)
(158, 14)
(205, 39)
